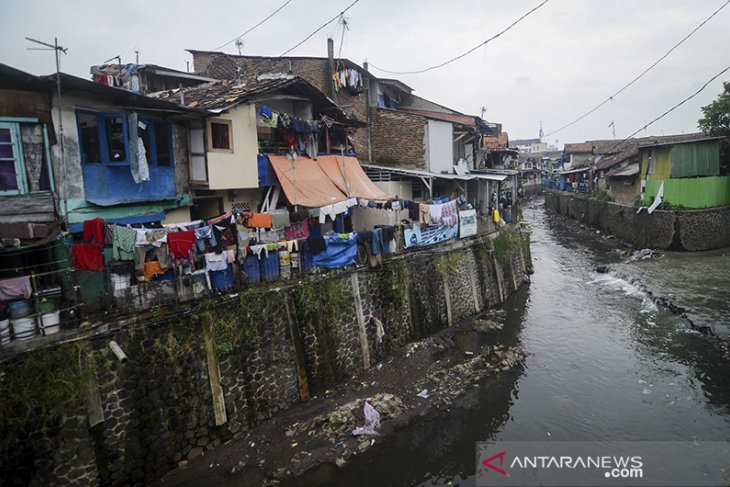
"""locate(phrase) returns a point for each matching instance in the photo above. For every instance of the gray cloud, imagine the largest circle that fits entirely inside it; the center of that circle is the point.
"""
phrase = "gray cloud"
(554, 66)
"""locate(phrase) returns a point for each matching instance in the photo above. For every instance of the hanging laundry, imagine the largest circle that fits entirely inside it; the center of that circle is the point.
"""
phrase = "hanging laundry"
(259, 220)
(87, 257)
(326, 211)
(203, 235)
(297, 230)
(280, 219)
(216, 262)
(123, 243)
(424, 214)
(180, 243)
(317, 244)
(94, 231)
(339, 252)
(435, 214)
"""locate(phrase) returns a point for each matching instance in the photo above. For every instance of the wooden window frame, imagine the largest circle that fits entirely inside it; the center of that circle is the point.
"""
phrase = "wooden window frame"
(209, 133)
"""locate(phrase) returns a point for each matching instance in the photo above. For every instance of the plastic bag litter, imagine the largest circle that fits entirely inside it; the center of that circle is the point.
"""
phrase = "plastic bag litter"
(372, 421)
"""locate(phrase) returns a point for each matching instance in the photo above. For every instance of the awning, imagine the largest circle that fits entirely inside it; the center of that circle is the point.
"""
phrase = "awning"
(345, 172)
(573, 171)
(425, 174)
(630, 170)
(304, 182)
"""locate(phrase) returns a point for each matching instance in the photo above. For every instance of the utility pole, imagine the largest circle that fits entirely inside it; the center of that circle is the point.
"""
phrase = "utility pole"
(62, 179)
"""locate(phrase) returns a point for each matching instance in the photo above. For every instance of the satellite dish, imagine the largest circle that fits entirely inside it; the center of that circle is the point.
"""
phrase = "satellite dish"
(239, 45)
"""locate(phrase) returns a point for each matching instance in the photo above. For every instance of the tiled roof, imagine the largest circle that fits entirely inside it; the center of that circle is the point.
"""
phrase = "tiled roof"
(222, 94)
(581, 147)
(446, 117)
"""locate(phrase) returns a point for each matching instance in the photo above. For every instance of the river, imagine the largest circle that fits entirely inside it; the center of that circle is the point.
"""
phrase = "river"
(605, 363)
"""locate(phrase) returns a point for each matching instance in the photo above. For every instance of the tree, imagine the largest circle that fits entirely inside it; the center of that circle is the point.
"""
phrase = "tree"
(716, 123)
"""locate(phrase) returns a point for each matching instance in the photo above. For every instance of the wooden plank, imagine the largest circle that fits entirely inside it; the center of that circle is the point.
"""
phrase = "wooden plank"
(300, 358)
(214, 376)
(25, 204)
(362, 333)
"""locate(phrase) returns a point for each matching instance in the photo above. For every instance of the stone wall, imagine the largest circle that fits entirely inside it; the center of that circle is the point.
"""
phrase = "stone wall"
(691, 230)
(201, 376)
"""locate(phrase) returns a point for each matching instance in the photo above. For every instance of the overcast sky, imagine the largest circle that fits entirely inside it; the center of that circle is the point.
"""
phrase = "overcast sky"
(556, 64)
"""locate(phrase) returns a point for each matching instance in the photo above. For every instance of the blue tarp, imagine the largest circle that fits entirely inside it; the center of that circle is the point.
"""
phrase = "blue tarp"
(340, 252)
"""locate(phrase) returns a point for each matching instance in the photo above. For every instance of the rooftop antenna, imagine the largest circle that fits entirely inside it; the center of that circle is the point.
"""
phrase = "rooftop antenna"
(541, 131)
(484, 110)
(118, 58)
(239, 45)
(136, 53)
(57, 50)
(613, 128)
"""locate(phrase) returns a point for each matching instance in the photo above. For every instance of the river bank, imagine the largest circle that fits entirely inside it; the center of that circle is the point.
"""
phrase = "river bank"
(418, 382)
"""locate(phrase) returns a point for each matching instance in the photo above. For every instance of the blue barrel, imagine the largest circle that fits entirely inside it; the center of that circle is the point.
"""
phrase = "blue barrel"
(270, 267)
(507, 214)
(305, 260)
(251, 268)
(222, 280)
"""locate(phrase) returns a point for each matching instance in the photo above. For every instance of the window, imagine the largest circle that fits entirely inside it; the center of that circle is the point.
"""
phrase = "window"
(156, 136)
(219, 135)
(24, 157)
(103, 137)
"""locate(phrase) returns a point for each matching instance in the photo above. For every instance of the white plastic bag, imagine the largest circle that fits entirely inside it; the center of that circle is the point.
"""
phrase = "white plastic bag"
(372, 421)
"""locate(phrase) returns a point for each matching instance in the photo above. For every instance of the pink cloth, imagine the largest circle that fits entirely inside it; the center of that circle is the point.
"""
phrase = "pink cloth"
(17, 287)
(297, 230)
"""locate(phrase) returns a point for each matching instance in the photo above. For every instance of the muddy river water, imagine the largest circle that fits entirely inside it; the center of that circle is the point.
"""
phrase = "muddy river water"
(605, 363)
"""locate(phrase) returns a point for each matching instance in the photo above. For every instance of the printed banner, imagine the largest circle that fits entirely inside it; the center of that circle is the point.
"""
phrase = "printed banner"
(467, 223)
(423, 237)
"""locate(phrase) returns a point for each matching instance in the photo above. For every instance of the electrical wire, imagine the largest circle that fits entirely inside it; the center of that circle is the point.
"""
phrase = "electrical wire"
(670, 110)
(252, 28)
(467, 52)
(318, 29)
(610, 98)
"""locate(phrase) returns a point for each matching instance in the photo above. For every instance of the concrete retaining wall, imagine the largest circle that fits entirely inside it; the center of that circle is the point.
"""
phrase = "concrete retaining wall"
(176, 397)
(681, 230)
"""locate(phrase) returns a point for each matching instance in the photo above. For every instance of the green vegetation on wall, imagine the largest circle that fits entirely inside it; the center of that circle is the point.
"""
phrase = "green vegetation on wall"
(42, 386)
(505, 243)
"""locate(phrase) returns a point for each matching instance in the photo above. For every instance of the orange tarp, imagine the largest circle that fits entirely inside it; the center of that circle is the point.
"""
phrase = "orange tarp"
(304, 183)
(348, 176)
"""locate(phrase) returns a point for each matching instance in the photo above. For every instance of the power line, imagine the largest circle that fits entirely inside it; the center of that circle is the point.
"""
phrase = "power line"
(671, 109)
(320, 28)
(467, 52)
(610, 98)
(252, 28)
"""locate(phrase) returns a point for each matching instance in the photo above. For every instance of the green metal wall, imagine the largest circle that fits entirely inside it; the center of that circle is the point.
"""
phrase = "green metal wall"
(692, 192)
(697, 159)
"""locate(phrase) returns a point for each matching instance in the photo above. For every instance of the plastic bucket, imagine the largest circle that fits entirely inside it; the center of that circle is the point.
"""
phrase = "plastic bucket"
(24, 328)
(4, 332)
(51, 323)
(19, 309)
(46, 306)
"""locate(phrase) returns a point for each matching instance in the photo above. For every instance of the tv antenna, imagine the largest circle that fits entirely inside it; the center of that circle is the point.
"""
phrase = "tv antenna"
(57, 50)
(239, 45)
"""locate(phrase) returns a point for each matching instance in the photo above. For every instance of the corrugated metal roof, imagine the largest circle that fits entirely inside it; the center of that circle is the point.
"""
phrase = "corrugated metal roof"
(629, 170)
(427, 174)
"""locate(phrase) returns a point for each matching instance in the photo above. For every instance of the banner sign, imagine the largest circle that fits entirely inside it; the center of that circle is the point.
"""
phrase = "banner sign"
(423, 237)
(467, 223)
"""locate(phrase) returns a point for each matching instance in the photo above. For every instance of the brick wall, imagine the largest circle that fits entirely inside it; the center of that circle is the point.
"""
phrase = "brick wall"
(314, 70)
(398, 138)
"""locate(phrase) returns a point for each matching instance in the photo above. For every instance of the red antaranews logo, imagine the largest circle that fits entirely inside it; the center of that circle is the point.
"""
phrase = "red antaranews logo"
(488, 463)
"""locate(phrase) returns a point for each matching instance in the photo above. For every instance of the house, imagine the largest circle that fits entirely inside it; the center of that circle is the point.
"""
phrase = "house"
(525, 145)
(577, 155)
(27, 180)
(688, 171)
(229, 148)
(144, 78)
(125, 155)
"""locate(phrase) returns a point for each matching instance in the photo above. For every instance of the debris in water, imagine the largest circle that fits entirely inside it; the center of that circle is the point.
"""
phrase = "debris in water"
(646, 391)
(372, 420)
(423, 394)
